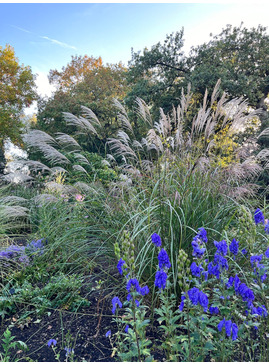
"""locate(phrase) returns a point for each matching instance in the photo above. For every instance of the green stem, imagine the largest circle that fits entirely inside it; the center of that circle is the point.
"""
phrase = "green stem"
(136, 334)
(189, 336)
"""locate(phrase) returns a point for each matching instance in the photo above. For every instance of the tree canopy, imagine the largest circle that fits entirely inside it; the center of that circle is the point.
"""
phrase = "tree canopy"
(17, 90)
(85, 81)
(238, 56)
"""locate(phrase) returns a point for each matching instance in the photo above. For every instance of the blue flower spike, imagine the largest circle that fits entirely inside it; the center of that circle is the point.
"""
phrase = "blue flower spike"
(156, 240)
(258, 217)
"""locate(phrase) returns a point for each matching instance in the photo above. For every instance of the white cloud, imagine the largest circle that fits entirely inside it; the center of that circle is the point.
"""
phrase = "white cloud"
(44, 88)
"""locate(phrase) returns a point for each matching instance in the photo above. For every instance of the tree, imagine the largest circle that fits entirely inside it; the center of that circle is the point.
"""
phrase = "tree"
(17, 90)
(158, 74)
(238, 56)
(85, 81)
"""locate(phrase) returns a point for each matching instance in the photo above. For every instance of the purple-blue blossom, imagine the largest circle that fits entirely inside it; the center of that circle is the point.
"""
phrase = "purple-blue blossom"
(255, 259)
(198, 249)
(258, 217)
(202, 234)
(115, 301)
(120, 266)
(222, 247)
(160, 279)
(213, 310)
(52, 342)
(234, 246)
(230, 328)
(213, 270)
(181, 306)
(196, 270)
(203, 300)
(156, 240)
(221, 262)
(246, 293)
(164, 262)
(133, 282)
(194, 295)
(143, 291)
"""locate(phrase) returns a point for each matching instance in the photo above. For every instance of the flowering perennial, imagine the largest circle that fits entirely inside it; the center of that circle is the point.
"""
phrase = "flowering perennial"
(120, 266)
(197, 296)
(164, 261)
(115, 301)
(160, 279)
(234, 246)
(52, 342)
(222, 248)
(230, 328)
(258, 217)
(156, 239)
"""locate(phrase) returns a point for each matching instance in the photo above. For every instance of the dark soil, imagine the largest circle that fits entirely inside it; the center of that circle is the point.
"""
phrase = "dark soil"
(87, 329)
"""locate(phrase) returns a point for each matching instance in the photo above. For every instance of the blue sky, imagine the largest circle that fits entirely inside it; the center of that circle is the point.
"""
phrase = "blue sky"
(45, 36)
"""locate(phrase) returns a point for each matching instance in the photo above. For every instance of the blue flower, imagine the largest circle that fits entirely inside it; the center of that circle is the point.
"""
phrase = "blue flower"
(213, 310)
(237, 283)
(137, 303)
(203, 300)
(160, 279)
(222, 247)
(195, 270)
(36, 247)
(234, 246)
(52, 342)
(228, 327)
(262, 311)
(129, 297)
(164, 261)
(120, 265)
(68, 351)
(133, 282)
(221, 324)
(143, 291)
(260, 271)
(115, 301)
(198, 249)
(126, 329)
(202, 235)
(205, 274)
(267, 253)
(266, 227)
(258, 217)
(194, 295)
(108, 333)
(234, 331)
(244, 251)
(255, 259)
(230, 282)
(181, 306)
(156, 239)
(213, 270)
(221, 262)
(246, 293)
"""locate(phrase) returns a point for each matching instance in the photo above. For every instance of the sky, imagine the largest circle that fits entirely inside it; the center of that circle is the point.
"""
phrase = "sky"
(46, 35)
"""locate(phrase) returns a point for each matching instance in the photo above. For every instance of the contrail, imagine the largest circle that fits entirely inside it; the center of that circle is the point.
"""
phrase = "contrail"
(54, 41)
